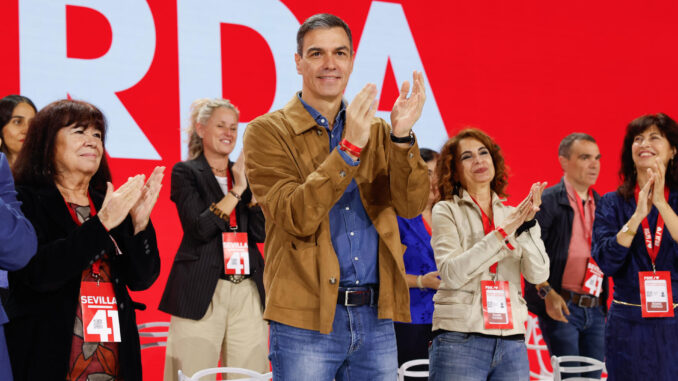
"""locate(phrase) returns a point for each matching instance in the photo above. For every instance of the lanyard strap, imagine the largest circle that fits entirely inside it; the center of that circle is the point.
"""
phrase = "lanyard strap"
(653, 247)
(96, 266)
(580, 206)
(488, 226)
(233, 223)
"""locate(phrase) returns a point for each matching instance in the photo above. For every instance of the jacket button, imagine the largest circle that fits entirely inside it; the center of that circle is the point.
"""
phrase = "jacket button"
(333, 280)
(122, 306)
(411, 155)
(320, 132)
(342, 173)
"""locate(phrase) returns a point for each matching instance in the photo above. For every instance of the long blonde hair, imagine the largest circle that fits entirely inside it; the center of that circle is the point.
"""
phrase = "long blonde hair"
(201, 111)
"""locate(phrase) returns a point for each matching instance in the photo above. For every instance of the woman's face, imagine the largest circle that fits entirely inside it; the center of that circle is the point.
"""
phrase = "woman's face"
(220, 132)
(649, 145)
(474, 163)
(78, 150)
(14, 132)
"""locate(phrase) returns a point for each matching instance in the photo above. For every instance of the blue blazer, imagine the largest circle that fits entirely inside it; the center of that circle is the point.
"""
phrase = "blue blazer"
(17, 246)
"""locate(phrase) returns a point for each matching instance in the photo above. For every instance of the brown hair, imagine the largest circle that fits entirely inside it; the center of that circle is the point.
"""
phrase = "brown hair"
(448, 183)
(35, 163)
(627, 172)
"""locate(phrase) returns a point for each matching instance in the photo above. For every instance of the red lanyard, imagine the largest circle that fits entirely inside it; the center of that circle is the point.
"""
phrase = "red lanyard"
(653, 249)
(96, 266)
(488, 226)
(233, 223)
(580, 206)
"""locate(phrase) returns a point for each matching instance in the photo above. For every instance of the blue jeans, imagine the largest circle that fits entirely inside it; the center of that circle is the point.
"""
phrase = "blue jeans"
(360, 347)
(583, 335)
(467, 357)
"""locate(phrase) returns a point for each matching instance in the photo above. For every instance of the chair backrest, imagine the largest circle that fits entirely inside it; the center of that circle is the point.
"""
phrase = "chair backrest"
(587, 365)
(404, 371)
(161, 334)
(250, 374)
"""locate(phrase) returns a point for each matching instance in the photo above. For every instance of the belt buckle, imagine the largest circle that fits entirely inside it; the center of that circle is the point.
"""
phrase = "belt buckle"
(236, 278)
(346, 303)
(582, 298)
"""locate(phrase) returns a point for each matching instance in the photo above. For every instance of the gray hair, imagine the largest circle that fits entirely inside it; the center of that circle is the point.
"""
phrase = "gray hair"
(201, 111)
(321, 21)
(566, 143)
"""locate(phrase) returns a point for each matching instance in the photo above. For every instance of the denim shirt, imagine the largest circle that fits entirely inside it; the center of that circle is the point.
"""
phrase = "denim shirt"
(354, 237)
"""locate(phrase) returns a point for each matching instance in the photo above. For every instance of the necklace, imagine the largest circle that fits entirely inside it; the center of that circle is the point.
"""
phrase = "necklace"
(219, 171)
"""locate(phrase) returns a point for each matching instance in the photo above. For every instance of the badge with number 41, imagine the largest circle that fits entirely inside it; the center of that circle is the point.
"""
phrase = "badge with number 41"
(593, 278)
(99, 312)
(236, 254)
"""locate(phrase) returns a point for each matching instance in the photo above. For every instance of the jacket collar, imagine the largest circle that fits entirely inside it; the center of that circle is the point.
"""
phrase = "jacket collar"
(203, 166)
(466, 197)
(55, 206)
(300, 119)
(562, 193)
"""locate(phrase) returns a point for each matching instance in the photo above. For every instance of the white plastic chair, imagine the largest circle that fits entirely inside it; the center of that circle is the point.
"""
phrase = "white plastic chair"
(404, 371)
(251, 375)
(162, 334)
(590, 365)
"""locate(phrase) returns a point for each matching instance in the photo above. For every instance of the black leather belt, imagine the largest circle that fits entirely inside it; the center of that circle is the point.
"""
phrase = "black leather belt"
(581, 300)
(351, 297)
(237, 278)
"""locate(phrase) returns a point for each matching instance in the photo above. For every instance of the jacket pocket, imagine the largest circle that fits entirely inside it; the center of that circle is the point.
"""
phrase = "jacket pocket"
(185, 256)
(454, 304)
(296, 281)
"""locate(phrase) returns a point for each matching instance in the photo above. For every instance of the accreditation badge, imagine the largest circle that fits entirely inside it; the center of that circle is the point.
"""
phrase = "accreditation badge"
(656, 299)
(496, 304)
(236, 254)
(99, 312)
(593, 278)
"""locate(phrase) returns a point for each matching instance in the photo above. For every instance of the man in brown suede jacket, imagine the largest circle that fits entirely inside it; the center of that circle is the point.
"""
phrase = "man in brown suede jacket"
(331, 179)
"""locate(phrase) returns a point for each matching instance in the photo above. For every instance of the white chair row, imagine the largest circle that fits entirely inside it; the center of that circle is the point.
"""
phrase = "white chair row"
(251, 375)
(161, 334)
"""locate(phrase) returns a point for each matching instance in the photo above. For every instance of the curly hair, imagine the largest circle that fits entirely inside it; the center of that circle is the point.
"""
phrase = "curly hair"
(627, 172)
(446, 169)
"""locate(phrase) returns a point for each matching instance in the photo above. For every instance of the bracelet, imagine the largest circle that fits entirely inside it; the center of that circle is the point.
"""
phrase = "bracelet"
(237, 196)
(219, 213)
(346, 146)
(419, 284)
(506, 238)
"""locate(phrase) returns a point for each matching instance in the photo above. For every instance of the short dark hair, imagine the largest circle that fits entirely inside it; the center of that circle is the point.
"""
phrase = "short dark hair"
(35, 163)
(7, 106)
(566, 143)
(428, 154)
(627, 172)
(321, 21)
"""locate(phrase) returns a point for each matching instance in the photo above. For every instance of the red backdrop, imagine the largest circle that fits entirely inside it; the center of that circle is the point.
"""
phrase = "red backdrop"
(527, 73)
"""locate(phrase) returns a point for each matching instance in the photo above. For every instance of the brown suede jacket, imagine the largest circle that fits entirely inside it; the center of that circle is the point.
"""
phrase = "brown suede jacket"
(297, 180)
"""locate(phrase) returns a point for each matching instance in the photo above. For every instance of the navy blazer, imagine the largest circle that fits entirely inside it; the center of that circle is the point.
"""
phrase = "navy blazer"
(43, 296)
(17, 245)
(555, 220)
(199, 262)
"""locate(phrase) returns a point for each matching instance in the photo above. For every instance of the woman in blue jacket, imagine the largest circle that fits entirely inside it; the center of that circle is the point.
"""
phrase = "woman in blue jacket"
(633, 243)
(17, 246)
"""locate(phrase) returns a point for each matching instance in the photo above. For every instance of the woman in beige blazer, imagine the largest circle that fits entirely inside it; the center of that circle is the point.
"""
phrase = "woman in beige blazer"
(481, 248)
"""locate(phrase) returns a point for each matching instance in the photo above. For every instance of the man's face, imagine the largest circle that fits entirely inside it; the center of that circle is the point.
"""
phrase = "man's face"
(583, 165)
(326, 64)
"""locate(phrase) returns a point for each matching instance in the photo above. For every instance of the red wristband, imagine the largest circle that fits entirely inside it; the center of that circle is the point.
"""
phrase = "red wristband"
(506, 239)
(353, 149)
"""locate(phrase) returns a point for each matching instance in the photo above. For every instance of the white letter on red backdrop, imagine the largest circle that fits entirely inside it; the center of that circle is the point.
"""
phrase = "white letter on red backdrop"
(387, 35)
(200, 49)
(47, 74)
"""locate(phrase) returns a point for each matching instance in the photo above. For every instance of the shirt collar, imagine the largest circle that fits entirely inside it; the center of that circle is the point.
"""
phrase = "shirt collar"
(319, 118)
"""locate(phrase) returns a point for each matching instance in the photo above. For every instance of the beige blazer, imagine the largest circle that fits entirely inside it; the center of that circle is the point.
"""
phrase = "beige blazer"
(464, 254)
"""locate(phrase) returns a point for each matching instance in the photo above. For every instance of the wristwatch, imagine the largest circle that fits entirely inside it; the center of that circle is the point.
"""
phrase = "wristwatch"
(542, 292)
(405, 139)
(627, 230)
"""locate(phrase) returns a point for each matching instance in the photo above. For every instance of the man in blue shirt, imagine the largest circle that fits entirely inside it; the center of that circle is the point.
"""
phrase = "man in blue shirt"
(17, 246)
(331, 179)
